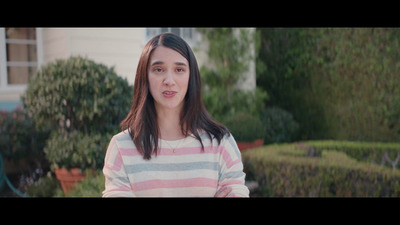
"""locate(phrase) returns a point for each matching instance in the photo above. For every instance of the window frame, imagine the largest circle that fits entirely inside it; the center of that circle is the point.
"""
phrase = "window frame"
(4, 85)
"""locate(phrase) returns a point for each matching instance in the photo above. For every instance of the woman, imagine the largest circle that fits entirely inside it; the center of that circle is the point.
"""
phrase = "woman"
(169, 144)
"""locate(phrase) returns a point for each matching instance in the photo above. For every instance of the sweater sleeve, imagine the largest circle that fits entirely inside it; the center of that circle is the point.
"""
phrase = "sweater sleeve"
(231, 175)
(116, 179)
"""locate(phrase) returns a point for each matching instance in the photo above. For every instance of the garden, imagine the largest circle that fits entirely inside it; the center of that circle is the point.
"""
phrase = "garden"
(324, 116)
(70, 111)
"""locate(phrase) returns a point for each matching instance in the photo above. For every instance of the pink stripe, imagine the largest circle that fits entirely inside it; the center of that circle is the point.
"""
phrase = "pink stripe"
(176, 183)
(228, 159)
(129, 151)
(232, 163)
(168, 151)
(117, 164)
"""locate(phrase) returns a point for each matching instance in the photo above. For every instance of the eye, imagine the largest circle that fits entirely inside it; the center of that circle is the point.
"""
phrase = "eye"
(180, 70)
(157, 70)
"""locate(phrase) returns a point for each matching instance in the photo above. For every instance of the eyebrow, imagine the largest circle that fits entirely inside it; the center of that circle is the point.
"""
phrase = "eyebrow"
(161, 62)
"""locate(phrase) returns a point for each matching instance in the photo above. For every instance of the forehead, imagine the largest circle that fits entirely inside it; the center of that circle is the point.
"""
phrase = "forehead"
(166, 55)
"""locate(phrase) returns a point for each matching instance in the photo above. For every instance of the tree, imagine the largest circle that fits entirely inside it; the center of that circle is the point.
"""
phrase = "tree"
(339, 83)
(229, 54)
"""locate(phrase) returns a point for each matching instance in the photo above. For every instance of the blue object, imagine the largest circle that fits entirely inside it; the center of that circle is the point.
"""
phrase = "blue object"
(3, 178)
(9, 105)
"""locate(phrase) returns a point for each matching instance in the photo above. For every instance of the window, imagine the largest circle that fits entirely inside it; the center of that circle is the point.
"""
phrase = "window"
(189, 34)
(18, 55)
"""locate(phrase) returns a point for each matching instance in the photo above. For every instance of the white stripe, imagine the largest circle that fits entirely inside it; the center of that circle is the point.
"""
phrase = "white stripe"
(178, 192)
(168, 175)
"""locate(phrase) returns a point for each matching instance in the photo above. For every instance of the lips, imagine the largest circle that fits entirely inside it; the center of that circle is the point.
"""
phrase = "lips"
(169, 94)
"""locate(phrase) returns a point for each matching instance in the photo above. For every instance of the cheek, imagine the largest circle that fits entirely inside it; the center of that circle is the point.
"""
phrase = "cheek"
(184, 83)
(153, 85)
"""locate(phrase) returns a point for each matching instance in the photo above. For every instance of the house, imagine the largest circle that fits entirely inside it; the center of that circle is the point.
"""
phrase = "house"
(24, 50)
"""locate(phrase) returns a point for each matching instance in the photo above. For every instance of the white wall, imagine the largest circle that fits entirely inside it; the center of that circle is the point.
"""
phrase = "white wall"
(118, 47)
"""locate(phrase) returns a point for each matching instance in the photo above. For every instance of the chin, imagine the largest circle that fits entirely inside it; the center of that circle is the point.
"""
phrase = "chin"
(170, 106)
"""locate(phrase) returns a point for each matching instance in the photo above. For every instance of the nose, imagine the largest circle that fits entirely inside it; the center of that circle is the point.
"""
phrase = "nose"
(168, 79)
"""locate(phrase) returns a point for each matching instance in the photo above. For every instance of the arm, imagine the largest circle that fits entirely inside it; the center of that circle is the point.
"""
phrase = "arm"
(117, 183)
(231, 175)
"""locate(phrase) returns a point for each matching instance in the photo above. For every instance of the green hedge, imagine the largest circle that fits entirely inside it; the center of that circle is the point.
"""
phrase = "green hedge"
(287, 170)
(370, 152)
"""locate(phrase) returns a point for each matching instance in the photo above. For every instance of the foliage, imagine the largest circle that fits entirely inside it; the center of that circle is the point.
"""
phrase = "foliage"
(286, 77)
(45, 186)
(49, 186)
(84, 102)
(18, 136)
(229, 53)
(279, 125)
(287, 170)
(76, 150)
(91, 186)
(78, 94)
(245, 127)
(339, 83)
(369, 152)
(220, 107)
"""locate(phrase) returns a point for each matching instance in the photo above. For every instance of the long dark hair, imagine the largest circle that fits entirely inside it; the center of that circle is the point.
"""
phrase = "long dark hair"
(141, 121)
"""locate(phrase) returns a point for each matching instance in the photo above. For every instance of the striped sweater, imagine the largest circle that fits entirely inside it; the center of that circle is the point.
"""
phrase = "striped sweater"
(186, 171)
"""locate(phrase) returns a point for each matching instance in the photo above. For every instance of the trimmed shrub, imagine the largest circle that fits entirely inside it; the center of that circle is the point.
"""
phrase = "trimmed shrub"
(279, 126)
(245, 127)
(369, 152)
(78, 94)
(286, 170)
(84, 102)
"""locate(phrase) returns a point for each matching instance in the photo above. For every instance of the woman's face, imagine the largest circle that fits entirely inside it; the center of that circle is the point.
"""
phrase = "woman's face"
(168, 75)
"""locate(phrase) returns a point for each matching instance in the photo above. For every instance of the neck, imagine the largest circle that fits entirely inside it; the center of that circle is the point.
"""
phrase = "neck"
(169, 123)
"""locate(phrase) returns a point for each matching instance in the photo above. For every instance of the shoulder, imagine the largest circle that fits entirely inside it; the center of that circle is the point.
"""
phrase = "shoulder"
(207, 135)
(120, 144)
(122, 136)
(122, 140)
(230, 145)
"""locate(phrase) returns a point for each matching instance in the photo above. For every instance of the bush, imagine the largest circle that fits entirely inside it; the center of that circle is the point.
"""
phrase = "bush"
(222, 104)
(91, 186)
(279, 126)
(83, 102)
(245, 127)
(49, 186)
(369, 152)
(45, 186)
(76, 150)
(78, 94)
(18, 137)
(287, 170)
